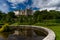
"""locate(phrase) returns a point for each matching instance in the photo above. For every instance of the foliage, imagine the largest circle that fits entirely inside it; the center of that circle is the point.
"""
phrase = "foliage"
(38, 16)
(4, 28)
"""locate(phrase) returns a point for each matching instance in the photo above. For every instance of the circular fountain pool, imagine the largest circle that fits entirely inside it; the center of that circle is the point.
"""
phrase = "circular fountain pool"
(24, 33)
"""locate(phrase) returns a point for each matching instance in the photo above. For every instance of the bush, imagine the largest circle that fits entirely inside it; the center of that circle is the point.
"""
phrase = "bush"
(5, 28)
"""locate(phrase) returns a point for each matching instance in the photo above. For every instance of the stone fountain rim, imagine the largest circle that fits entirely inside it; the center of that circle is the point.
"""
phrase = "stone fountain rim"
(50, 36)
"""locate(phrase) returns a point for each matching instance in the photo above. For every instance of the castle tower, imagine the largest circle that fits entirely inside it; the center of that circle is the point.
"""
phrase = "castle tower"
(23, 12)
(29, 12)
(16, 13)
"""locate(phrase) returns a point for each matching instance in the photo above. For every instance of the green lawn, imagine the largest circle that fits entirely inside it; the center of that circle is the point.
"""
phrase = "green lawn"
(55, 28)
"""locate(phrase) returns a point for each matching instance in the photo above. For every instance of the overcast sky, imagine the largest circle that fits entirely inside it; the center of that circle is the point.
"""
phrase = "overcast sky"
(11, 5)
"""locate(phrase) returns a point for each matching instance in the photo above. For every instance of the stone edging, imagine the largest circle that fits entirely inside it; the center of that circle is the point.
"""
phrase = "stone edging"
(51, 34)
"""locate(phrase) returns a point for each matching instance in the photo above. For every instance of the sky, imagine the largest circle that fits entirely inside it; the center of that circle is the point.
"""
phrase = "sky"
(11, 5)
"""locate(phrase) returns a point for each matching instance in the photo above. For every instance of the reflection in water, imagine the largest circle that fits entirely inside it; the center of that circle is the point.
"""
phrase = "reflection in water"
(23, 35)
(4, 35)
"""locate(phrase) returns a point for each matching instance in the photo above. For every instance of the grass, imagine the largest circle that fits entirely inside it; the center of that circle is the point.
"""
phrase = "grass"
(19, 24)
(56, 29)
(54, 26)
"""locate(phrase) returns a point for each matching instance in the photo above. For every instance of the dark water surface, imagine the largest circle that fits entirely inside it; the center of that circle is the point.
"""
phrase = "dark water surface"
(34, 35)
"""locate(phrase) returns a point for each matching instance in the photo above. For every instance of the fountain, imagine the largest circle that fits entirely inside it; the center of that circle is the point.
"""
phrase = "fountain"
(28, 32)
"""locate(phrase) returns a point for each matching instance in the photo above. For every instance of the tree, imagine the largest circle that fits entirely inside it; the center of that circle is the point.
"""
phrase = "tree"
(1, 15)
(11, 14)
(35, 16)
(10, 17)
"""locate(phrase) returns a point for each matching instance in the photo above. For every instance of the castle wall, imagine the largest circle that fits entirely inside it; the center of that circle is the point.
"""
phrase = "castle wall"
(24, 12)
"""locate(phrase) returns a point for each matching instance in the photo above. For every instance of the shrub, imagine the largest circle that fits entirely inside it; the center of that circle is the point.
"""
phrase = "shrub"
(4, 28)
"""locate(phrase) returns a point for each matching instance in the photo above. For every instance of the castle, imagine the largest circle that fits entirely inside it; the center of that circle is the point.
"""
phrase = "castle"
(24, 12)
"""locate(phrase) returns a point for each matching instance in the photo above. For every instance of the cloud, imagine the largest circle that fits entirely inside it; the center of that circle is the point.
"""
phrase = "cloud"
(7, 5)
(42, 4)
(50, 8)
(47, 4)
(39, 3)
(3, 6)
(16, 1)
